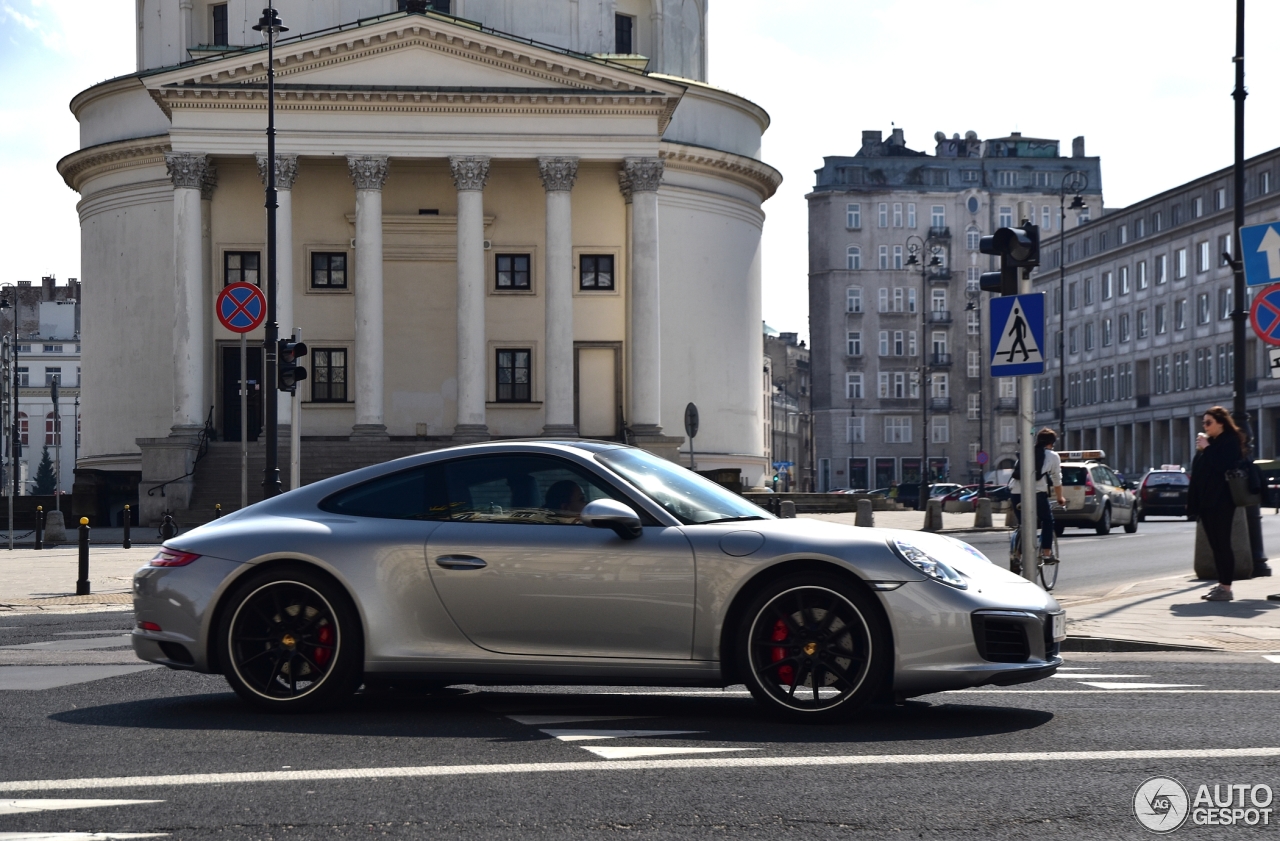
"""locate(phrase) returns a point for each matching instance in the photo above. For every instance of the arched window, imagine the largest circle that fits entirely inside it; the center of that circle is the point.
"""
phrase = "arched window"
(52, 430)
(22, 428)
(853, 258)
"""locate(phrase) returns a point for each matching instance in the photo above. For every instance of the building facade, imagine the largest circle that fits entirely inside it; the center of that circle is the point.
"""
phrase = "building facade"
(791, 412)
(898, 352)
(481, 235)
(1147, 298)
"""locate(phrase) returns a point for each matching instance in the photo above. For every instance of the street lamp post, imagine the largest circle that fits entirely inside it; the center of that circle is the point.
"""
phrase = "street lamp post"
(15, 441)
(269, 24)
(1073, 182)
(976, 307)
(916, 247)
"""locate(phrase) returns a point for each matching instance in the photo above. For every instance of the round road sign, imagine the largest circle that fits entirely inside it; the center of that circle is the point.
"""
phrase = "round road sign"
(241, 307)
(691, 420)
(983, 458)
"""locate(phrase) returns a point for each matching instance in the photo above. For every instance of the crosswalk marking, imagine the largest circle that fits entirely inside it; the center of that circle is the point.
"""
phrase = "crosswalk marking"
(592, 735)
(22, 807)
(116, 641)
(36, 678)
(535, 720)
(77, 836)
(1078, 677)
(611, 752)
(1109, 685)
(1274, 658)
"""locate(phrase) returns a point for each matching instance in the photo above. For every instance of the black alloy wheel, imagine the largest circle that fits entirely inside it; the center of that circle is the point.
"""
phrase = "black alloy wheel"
(814, 648)
(290, 641)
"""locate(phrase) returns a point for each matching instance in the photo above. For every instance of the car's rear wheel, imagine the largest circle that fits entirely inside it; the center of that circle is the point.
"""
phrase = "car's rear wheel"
(1104, 522)
(1131, 526)
(814, 648)
(290, 641)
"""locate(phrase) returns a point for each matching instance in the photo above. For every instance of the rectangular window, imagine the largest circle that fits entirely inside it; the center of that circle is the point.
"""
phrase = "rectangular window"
(1180, 263)
(973, 240)
(53, 348)
(1086, 246)
(1108, 287)
(899, 385)
(883, 385)
(1224, 250)
(853, 299)
(328, 375)
(52, 375)
(853, 216)
(1203, 313)
(911, 214)
(897, 430)
(1106, 332)
(1008, 431)
(969, 176)
(240, 267)
(883, 300)
(1073, 301)
(973, 279)
(883, 214)
(1006, 178)
(623, 27)
(940, 429)
(899, 343)
(1006, 217)
(973, 367)
(328, 270)
(1157, 222)
(512, 271)
(884, 257)
(1264, 183)
(1057, 301)
(1124, 327)
(974, 406)
(24, 376)
(596, 272)
(884, 342)
(1042, 179)
(514, 375)
(1102, 241)
(1162, 325)
(974, 323)
(1219, 198)
(855, 343)
(1046, 218)
(897, 257)
(1088, 291)
(938, 216)
(853, 386)
(897, 214)
(939, 339)
(1162, 268)
(854, 433)
(1224, 302)
(1124, 280)
(1088, 336)
(1073, 341)
(1180, 314)
(1122, 234)
(1142, 275)
(219, 25)
(899, 296)
(1139, 228)
(853, 258)
(1197, 207)
(1142, 324)
(1203, 261)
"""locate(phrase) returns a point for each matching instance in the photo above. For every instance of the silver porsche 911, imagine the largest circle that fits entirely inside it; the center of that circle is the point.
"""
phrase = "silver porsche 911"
(578, 562)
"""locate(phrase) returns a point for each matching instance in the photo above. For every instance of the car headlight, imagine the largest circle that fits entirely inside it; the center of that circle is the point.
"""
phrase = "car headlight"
(928, 564)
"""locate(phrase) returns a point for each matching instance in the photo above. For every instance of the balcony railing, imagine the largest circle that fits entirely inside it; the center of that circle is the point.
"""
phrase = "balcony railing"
(1007, 404)
(939, 232)
(939, 359)
(939, 316)
(940, 404)
(939, 274)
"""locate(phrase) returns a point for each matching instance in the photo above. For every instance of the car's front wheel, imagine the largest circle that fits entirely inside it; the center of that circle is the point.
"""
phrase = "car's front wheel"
(814, 648)
(290, 641)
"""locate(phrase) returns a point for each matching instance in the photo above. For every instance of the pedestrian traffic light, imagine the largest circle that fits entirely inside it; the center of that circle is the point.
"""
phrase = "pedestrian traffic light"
(1017, 248)
(290, 372)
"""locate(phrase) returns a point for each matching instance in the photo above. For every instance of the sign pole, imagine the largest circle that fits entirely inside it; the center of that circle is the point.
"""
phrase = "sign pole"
(295, 433)
(244, 421)
(1026, 414)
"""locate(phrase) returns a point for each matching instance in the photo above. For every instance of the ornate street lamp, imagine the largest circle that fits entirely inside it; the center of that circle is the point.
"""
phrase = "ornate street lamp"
(916, 248)
(1073, 182)
(269, 24)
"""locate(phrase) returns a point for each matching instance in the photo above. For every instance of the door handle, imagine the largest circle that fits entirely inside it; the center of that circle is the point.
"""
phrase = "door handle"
(460, 562)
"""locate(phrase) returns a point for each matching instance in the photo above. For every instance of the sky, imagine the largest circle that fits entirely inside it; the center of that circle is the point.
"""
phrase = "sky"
(1147, 82)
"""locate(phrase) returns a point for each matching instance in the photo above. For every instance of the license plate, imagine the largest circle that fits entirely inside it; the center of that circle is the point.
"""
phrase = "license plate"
(1173, 495)
(1059, 626)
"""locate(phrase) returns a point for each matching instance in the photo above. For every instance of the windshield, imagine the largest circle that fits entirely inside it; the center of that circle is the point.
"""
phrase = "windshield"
(1168, 479)
(684, 494)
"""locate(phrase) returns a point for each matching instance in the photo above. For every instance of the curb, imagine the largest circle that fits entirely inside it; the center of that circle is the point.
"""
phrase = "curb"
(1110, 645)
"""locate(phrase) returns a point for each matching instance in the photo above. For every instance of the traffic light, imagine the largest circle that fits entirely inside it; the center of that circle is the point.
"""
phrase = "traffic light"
(290, 372)
(1018, 248)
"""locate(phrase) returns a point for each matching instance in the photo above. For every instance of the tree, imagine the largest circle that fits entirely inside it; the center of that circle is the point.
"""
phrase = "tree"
(46, 482)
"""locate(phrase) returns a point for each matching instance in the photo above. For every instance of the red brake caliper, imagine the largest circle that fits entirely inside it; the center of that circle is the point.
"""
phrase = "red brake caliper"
(786, 674)
(325, 636)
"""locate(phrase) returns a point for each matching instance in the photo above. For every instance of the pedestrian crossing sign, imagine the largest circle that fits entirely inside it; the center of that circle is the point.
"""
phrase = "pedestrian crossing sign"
(1017, 335)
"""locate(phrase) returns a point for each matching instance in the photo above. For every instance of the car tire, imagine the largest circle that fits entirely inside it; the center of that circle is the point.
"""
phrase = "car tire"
(289, 640)
(1131, 527)
(811, 625)
(1104, 522)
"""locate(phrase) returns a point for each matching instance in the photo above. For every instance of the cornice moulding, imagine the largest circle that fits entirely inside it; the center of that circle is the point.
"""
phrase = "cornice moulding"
(749, 172)
(80, 166)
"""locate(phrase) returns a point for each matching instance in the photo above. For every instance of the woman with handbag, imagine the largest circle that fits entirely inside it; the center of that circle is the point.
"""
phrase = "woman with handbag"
(1210, 500)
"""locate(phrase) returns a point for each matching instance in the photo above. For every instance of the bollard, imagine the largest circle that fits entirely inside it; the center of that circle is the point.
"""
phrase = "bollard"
(128, 521)
(39, 526)
(82, 585)
(866, 515)
(217, 510)
(168, 528)
(982, 514)
(932, 516)
(788, 508)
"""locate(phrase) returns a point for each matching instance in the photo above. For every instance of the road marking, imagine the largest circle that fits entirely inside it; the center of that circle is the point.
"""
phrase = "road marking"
(77, 836)
(592, 735)
(1274, 658)
(1107, 685)
(727, 762)
(117, 641)
(634, 753)
(535, 720)
(1111, 691)
(1078, 677)
(23, 807)
(36, 678)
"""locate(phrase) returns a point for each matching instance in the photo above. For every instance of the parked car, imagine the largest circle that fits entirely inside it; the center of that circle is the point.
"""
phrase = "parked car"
(1163, 492)
(940, 490)
(1096, 498)
(573, 562)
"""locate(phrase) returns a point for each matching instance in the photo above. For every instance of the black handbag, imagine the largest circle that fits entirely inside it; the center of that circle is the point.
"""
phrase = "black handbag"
(1244, 490)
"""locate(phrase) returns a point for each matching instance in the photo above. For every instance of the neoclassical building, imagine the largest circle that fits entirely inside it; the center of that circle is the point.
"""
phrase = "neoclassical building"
(482, 234)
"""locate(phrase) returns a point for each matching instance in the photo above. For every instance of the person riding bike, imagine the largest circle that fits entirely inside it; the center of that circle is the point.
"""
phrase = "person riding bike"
(1048, 474)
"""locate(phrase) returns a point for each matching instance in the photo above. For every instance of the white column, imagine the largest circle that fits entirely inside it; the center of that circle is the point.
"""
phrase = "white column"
(188, 173)
(558, 175)
(286, 174)
(469, 177)
(642, 177)
(369, 172)
(208, 290)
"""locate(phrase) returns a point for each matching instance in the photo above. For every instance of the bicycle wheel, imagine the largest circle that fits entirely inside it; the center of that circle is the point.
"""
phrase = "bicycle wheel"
(1015, 552)
(1048, 568)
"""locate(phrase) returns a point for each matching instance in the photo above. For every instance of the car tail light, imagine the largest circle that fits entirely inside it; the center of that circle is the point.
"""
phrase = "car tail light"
(1088, 487)
(172, 558)
(1144, 493)
(148, 626)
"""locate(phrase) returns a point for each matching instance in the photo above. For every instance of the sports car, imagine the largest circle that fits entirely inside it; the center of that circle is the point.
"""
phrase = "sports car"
(578, 563)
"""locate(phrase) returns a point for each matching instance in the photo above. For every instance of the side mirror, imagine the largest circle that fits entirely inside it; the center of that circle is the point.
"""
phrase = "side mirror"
(608, 514)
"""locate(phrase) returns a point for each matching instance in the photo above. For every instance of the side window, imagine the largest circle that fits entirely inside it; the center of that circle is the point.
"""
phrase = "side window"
(1102, 476)
(532, 490)
(414, 494)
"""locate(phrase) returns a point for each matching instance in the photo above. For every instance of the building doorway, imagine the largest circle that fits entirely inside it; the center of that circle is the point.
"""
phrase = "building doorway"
(231, 392)
(597, 389)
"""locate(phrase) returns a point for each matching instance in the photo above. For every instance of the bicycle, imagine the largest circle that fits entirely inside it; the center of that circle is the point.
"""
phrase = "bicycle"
(1046, 568)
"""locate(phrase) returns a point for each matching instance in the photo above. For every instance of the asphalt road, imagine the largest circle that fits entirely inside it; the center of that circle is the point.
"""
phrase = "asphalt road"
(1059, 758)
(1094, 564)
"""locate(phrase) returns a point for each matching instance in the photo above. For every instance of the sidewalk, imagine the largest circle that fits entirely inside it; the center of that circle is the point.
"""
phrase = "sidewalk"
(913, 520)
(45, 581)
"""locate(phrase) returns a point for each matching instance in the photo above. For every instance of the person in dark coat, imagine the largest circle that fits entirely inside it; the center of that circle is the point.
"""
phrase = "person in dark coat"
(1221, 447)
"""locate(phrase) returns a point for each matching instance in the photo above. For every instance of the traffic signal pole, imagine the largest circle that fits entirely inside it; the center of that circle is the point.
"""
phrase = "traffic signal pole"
(1026, 413)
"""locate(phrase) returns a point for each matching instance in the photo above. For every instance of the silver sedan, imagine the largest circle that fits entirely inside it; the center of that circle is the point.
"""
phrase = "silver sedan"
(582, 563)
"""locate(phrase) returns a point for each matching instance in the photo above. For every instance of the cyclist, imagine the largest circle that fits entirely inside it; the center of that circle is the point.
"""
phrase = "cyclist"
(1048, 474)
